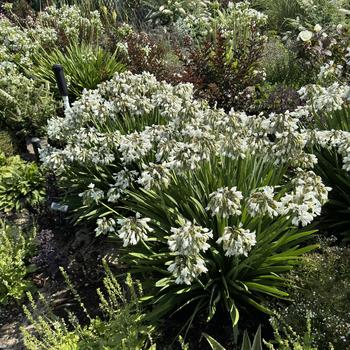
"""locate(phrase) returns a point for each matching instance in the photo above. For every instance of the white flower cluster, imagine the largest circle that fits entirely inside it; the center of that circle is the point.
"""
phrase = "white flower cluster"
(187, 242)
(123, 179)
(190, 133)
(204, 19)
(263, 203)
(133, 229)
(305, 202)
(237, 241)
(70, 20)
(105, 226)
(225, 202)
(92, 195)
(330, 98)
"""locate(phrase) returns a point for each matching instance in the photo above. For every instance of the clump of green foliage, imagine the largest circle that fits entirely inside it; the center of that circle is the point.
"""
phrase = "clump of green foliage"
(246, 344)
(15, 249)
(85, 66)
(22, 185)
(122, 325)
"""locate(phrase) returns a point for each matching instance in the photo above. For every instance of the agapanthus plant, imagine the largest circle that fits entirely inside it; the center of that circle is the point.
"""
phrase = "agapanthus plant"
(223, 232)
(207, 204)
(329, 114)
(135, 130)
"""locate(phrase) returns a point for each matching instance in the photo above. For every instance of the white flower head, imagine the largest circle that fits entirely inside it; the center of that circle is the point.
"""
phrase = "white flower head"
(262, 202)
(189, 239)
(225, 201)
(105, 226)
(237, 241)
(91, 195)
(133, 229)
(186, 268)
(317, 28)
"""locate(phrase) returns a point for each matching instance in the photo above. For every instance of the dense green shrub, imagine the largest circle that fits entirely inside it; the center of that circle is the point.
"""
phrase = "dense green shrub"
(322, 291)
(122, 325)
(282, 13)
(15, 249)
(21, 184)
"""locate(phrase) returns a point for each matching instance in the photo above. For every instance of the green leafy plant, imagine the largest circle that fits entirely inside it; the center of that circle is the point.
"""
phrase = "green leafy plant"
(85, 66)
(246, 344)
(290, 340)
(21, 184)
(122, 325)
(15, 249)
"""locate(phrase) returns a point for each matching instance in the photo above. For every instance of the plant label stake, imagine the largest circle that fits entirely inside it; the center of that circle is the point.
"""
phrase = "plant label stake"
(35, 141)
(62, 84)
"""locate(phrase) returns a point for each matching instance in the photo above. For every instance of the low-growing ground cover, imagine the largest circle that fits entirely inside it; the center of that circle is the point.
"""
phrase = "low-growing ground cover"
(194, 194)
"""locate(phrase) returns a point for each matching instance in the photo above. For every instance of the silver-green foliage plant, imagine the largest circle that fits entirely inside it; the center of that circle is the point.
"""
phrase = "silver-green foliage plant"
(22, 185)
(122, 325)
(16, 247)
(26, 104)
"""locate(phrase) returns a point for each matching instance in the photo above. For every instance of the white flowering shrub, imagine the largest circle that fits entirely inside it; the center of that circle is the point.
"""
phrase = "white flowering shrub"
(70, 23)
(192, 192)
